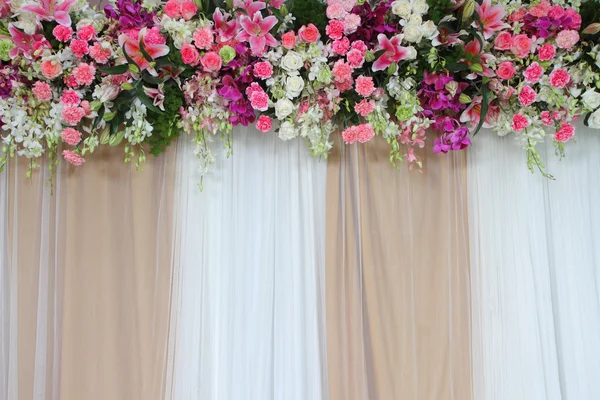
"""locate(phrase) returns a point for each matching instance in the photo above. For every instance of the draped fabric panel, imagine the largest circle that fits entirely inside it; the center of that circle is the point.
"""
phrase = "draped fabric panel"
(249, 277)
(398, 310)
(86, 279)
(535, 259)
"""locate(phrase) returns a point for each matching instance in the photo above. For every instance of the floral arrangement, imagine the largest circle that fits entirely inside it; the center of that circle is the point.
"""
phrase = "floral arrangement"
(143, 71)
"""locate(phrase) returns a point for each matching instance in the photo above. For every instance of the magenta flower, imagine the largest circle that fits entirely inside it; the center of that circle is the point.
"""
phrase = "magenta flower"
(132, 48)
(25, 44)
(393, 52)
(256, 31)
(491, 17)
(49, 10)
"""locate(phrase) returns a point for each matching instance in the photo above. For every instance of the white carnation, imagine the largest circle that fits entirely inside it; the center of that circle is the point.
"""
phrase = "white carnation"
(287, 131)
(402, 8)
(292, 61)
(283, 108)
(294, 86)
(591, 99)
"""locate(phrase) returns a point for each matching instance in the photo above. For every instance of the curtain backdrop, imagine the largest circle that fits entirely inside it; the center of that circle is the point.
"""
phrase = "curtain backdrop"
(250, 274)
(535, 259)
(398, 322)
(85, 280)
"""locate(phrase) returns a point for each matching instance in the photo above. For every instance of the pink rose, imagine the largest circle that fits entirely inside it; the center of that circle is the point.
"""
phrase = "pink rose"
(288, 40)
(189, 54)
(365, 86)
(86, 32)
(520, 122)
(42, 91)
(533, 73)
(559, 78)
(73, 158)
(264, 123)
(309, 34)
(188, 9)
(212, 62)
(70, 98)
(172, 9)
(503, 41)
(335, 29)
(62, 33)
(506, 70)
(527, 96)
(79, 47)
(71, 136)
(565, 133)
(521, 45)
(51, 68)
(263, 70)
(546, 52)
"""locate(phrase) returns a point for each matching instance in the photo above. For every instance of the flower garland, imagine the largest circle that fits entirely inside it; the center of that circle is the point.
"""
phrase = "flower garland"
(142, 71)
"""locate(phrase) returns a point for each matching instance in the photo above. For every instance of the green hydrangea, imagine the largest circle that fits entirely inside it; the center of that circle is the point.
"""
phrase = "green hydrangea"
(6, 46)
(227, 53)
(404, 113)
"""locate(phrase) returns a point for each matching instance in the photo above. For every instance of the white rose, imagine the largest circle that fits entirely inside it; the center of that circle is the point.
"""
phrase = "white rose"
(402, 8)
(420, 7)
(287, 131)
(415, 19)
(292, 61)
(283, 108)
(429, 30)
(591, 99)
(294, 86)
(411, 53)
(594, 120)
(412, 33)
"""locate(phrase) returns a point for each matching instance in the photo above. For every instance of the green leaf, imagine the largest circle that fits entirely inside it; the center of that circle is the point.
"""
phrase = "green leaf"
(98, 118)
(129, 59)
(151, 79)
(456, 66)
(146, 100)
(145, 53)
(485, 92)
(117, 70)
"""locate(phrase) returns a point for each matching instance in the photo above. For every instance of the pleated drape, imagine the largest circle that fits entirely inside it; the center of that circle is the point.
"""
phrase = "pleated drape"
(398, 310)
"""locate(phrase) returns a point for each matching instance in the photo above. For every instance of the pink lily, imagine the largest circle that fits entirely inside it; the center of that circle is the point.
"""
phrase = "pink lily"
(225, 29)
(157, 96)
(250, 6)
(473, 114)
(132, 48)
(256, 31)
(276, 3)
(4, 8)
(49, 10)
(393, 52)
(491, 17)
(474, 48)
(25, 44)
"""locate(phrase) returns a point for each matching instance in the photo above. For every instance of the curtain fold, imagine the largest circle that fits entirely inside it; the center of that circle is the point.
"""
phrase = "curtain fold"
(250, 274)
(398, 311)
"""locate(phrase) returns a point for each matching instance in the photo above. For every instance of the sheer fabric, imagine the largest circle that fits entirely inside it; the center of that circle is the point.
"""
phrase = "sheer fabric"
(86, 278)
(249, 277)
(535, 251)
(398, 322)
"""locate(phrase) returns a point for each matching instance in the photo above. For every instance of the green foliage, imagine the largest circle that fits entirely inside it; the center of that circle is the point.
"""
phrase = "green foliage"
(165, 123)
(309, 11)
(438, 9)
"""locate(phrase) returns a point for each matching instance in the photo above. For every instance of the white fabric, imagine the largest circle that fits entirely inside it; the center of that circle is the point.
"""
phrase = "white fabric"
(247, 320)
(535, 261)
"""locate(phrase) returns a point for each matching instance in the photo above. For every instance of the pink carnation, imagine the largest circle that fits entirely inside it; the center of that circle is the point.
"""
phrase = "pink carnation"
(42, 91)
(350, 135)
(540, 10)
(575, 19)
(86, 32)
(565, 133)
(355, 58)
(559, 78)
(288, 40)
(365, 107)
(212, 62)
(263, 70)
(335, 29)
(556, 12)
(365, 86)
(189, 54)
(84, 73)
(204, 38)
(567, 39)
(341, 71)
(73, 158)
(99, 53)
(71, 136)
(188, 9)
(344, 85)
(506, 70)
(546, 52)
(70, 81)
(259, 100)
(365, 133)
(153, 36)
(341, 46)
(253, 88)
(533, 73)
(527, 96)
(70, 98)
(351, 23)
(87, 109)
(79, 47)
(72, 115)
(518, 15)
(360, 46)
(62, 33)
(336, 11)
(520, 122)
(51, 68)
(549, 119)
(264, 123)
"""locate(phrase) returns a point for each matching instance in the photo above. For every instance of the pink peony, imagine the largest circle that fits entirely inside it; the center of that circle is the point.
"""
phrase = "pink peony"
(73, 158)
(365, 107)
(100, 54)
(503, 41)
(259, 100)
(565, 133)
(204, 38)
(71, 136)
(351, 23)
(86, 32)
(350, 135)
(263, 70)
(188, 9)
(172, 9)
(355, 58)
(559, 78)
(42, 91)
(70, 98)
(520, 122)
(365, 86)
(527, 96)
(506, 70)
(84, 73)
(264, 123)
(51, 68)
(341, 46)
(72, 115)
(520, 45)
(341, 71)
(79, 47)
(533, 73)
(288, 40)
(212, 62)
(364, 133)
(189, 54)
(62, 33)
(567, 39)
(546, 52)
(335, 29)
(309, 33)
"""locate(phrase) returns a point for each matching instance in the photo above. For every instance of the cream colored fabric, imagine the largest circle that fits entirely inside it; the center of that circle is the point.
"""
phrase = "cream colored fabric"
(398, 324)
(104, 242)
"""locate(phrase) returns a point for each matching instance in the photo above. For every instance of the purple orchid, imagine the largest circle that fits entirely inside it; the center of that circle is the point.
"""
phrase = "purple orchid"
(372, 22)
(434, 94)
(240, 108)
(452, 140)
(8, 75)
(49, 10)
(256, 32)
(130, 14)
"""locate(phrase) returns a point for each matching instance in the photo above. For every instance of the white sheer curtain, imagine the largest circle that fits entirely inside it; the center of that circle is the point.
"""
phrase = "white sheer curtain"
(248, 312)
(535, 264)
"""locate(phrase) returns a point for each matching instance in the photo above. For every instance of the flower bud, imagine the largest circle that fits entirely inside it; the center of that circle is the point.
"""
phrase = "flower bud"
(126, 86)
(468, 10)
(369, 56)
(476, 68)
(464, 99)
(592, 29)
(452, 87)
(134, 68)
(116, 139)
(95, 105)
(105, 136)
